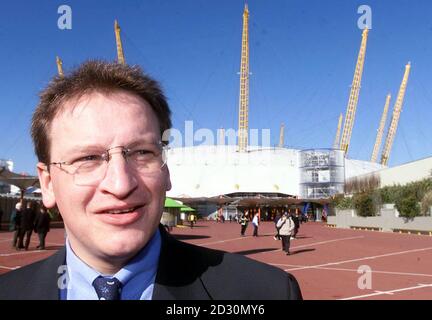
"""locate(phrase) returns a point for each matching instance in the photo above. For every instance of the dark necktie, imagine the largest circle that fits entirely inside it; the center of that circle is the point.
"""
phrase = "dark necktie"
(107, 288)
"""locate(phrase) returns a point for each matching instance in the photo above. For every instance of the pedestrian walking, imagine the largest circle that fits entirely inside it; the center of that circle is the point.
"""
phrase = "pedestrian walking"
(42, 226)
(1, 216)
(27, 225)
(192, 220)
(276, 219)
(255, 222)
(244, 220)
(296, 221)
(286, 227)
(16, 224)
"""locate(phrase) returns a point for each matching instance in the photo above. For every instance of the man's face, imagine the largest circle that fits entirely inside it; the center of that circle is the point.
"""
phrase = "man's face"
(90, 126)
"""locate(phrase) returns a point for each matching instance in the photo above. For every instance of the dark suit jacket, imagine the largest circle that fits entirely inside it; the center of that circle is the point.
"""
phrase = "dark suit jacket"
(42, 223)
(185, 272)
(27, 219)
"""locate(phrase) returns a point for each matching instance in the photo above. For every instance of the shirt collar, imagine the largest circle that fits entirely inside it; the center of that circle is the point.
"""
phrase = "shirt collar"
(144, 262)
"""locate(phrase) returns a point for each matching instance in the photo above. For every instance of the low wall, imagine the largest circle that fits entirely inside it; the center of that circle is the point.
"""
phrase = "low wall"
(388, 220)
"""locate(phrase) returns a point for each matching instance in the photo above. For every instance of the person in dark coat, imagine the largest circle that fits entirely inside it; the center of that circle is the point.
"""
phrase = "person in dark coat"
(27, 225)
(296, 220)
(276, 219)
(1, 216)
(42, 226)
(16, 224)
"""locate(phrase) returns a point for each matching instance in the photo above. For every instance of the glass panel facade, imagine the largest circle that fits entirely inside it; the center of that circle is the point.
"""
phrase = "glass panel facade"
(322, 173)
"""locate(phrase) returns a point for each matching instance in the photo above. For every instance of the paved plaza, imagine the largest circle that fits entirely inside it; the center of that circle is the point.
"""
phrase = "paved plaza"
(329, 263)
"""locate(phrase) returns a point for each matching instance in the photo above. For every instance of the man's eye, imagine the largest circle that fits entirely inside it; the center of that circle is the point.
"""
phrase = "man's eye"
(142, 154)
(89, 158)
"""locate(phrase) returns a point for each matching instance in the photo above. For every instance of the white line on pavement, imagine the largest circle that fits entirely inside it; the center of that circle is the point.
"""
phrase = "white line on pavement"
(384, 292)
(10, 268)
(377, 293)
(355, 270)
(222, 241)
(360, 259)
(325, 242)
(21, 253)
(302, 246)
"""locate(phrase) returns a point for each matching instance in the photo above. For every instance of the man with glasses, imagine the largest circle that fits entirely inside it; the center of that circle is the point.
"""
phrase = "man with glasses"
(98, 135)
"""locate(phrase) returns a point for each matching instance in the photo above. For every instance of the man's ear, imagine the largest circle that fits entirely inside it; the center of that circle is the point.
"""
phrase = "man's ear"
(45, 181)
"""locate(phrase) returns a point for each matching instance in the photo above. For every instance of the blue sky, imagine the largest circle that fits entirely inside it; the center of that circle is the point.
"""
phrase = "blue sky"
(302, 59)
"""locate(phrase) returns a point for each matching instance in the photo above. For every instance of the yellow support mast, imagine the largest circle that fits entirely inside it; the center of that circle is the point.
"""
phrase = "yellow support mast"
(338, 131)
(354, 95)
(120, 55)
(244, 86)
(282, 136)
(59, 66)
(395, 118)
(381, 130)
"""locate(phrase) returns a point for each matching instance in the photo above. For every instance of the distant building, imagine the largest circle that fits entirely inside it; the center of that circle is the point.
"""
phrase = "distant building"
(6, 188)
(7, 163)
(402, 174)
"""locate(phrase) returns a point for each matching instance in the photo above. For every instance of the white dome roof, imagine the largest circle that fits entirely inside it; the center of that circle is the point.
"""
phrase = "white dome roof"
(208, 171)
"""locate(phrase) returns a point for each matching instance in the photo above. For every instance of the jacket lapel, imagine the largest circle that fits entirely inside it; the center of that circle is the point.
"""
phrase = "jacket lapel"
(45, 285)
(179, 272)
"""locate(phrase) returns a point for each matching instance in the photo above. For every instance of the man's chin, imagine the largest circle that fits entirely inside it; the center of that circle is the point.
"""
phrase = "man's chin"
(125, 247)
(119, 256)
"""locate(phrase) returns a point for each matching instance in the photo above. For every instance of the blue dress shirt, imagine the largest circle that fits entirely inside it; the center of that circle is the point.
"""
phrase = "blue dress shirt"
(137, 277)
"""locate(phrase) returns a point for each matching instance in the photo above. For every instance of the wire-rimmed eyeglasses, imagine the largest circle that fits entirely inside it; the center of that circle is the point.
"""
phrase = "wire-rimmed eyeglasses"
(90, 169)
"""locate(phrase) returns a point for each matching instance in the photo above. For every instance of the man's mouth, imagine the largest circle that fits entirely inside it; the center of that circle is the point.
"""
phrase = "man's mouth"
(121, 211)
(121, 215)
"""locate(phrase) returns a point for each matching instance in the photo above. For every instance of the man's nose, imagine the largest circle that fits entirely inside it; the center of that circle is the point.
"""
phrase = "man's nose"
(120, 180)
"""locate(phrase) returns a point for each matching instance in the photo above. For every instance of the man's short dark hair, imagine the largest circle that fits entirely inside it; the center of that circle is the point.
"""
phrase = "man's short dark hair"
(93, 76)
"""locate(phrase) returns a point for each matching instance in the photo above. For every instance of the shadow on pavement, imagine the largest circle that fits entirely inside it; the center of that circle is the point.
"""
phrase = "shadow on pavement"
(196, 226)
(189, 236)
(254, 251)
(47, 248)
(301, 251)
(53, 248)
